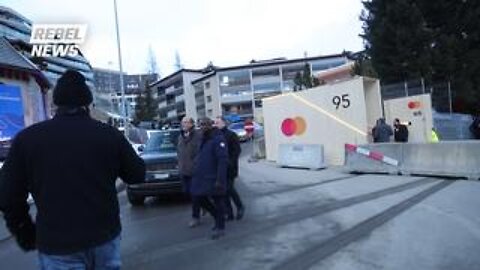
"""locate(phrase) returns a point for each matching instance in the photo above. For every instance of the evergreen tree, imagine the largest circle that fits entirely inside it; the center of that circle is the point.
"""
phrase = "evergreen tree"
(147, 106)
(396, 39)
(434, 39)
(305, 79)
(178, 61)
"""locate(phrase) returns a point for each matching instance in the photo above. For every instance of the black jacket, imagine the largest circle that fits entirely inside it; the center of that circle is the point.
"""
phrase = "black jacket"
(70, 165)
(401, 133)
(234, 150)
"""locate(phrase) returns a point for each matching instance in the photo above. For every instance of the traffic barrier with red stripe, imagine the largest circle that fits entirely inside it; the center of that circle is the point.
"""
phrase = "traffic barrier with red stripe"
(371, 154)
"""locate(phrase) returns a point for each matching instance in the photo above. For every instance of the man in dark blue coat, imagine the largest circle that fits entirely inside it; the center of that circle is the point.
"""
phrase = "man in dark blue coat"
(210, 173)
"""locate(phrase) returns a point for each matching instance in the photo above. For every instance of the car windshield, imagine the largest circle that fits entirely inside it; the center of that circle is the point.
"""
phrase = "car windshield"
(236, 126)
(162, 141)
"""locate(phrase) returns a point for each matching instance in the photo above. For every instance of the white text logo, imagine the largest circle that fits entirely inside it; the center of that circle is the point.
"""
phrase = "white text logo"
(57, 40)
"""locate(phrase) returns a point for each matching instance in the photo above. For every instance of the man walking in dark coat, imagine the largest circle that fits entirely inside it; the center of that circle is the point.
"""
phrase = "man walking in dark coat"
(234, 151)
(187, 149)
(210, 173)
(69, 164)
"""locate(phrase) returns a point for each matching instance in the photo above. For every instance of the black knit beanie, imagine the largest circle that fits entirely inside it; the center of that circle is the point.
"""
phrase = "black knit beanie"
(71, 90)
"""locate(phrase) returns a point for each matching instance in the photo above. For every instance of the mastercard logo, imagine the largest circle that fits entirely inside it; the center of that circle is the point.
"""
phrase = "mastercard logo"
(293, 126)
(414, 105)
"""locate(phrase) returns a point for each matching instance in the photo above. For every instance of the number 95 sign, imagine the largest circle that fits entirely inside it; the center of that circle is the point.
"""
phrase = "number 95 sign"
(343, 101)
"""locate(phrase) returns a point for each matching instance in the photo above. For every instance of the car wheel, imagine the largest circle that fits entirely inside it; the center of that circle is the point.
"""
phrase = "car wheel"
(135, 200)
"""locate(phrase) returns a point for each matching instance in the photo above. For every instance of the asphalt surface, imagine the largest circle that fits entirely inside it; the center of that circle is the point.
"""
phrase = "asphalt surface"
(302, 219)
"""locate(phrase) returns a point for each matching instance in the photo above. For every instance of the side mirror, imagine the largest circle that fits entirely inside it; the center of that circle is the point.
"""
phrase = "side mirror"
(141, 148)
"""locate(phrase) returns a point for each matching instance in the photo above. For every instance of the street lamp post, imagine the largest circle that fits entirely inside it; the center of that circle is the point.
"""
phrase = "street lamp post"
(122, 88)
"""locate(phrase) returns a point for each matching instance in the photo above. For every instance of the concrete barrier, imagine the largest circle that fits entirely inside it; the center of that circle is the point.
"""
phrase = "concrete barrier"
(455, 159)
(444, 159)
(359, 163)
(310, 156)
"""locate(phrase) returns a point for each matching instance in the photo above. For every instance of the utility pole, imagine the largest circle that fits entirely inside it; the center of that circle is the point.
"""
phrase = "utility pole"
(122, 88)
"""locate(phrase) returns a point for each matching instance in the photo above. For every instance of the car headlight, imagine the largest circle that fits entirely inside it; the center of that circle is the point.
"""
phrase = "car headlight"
(242, 133)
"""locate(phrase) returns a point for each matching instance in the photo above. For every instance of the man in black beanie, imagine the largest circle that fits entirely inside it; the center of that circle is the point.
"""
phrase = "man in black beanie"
(69, 164)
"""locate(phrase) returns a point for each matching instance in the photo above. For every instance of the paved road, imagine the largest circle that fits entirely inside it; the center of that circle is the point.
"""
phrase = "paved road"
(300, 219)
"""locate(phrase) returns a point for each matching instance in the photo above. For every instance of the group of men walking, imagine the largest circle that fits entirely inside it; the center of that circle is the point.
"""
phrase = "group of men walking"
(208, 165)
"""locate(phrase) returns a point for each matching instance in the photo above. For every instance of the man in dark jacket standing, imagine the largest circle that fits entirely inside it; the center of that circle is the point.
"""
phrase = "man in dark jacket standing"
(188, 144)
(234, 151)
(210, 173)
(400, 131)
(69, 164)
(382, 131)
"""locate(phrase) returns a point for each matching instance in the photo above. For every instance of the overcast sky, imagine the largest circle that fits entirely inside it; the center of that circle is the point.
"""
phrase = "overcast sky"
(226, 32)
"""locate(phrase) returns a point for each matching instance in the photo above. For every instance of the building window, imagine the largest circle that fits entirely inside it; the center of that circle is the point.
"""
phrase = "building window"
(209, 112)
(234, 78)
(209, 98)
(270, 72)
(289, 72)
(207, 85)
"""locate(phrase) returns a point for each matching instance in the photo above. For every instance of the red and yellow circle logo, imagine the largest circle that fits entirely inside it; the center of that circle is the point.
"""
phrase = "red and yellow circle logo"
(412, 105)
(294, 126)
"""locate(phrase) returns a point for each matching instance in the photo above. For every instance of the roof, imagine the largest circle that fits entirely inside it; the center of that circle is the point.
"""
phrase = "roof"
(10, 58)
(272, 62)
(206, 76)
(175, 74)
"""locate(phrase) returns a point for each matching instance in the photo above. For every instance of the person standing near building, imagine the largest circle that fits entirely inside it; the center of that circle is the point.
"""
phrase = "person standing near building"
(400, 131)
(475, 127)
(187, 149)
(69, 164)
(210, 173)
(249, 128)
(382, 131)
(234, 150)
(434, 137)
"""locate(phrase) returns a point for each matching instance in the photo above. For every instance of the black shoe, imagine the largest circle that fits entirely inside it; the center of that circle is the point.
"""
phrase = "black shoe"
(240, 213)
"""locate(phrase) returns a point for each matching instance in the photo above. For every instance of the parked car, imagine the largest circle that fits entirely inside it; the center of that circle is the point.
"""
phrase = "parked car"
(162, 176)
(239, 129)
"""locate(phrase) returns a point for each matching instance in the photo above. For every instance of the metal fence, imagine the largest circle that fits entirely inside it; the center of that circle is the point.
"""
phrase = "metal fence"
(442, 93)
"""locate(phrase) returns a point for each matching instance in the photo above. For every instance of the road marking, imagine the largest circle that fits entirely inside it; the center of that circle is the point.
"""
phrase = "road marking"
(298, 187)
(256, 227)
(323, 250)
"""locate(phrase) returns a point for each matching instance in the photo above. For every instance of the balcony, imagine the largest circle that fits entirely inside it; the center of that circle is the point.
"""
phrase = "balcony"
(228, 99)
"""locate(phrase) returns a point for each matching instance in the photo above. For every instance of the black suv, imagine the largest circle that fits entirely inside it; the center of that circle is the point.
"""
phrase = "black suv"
(162, 177)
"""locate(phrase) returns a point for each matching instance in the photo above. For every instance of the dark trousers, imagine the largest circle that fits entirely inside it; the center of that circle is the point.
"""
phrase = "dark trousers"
(199, 202)
(232, 195)
(219, 201)
(217, 209)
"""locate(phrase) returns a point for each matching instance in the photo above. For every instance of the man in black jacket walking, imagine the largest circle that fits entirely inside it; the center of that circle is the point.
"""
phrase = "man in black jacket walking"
(234, 150)
(69, 164)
